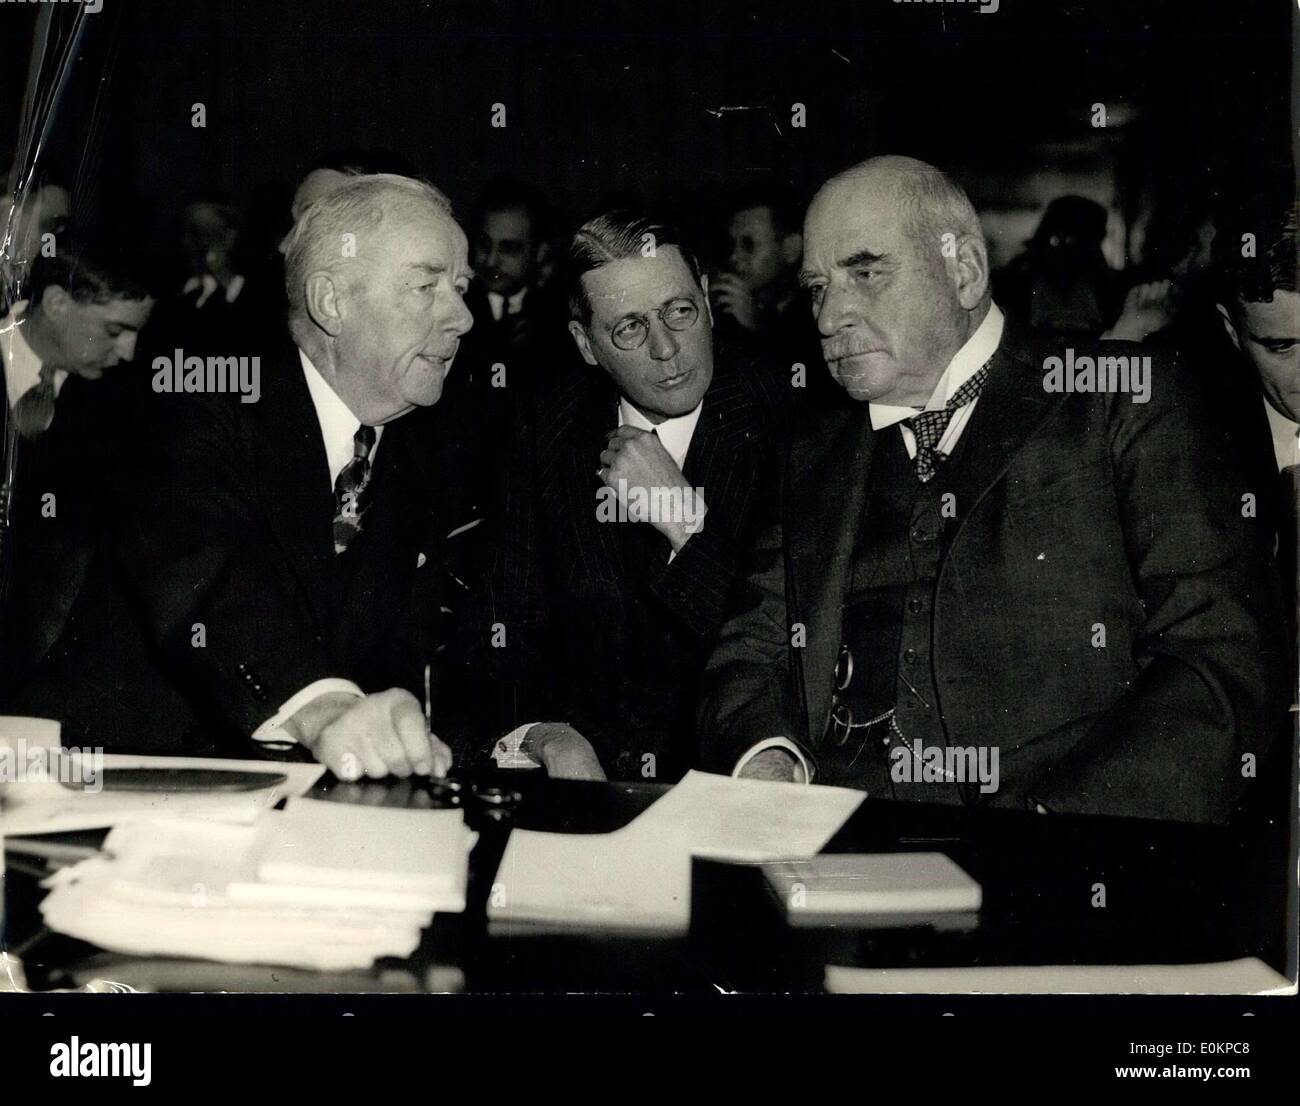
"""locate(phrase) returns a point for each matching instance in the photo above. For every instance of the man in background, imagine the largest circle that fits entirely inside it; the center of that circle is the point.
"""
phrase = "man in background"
(67, 437)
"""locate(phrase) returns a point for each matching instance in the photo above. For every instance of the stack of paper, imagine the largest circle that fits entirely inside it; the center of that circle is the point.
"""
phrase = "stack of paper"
(321, 885)
(35, 802)
(638, 878)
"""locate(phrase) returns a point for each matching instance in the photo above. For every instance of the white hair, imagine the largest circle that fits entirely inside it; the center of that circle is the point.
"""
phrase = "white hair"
(359, 204)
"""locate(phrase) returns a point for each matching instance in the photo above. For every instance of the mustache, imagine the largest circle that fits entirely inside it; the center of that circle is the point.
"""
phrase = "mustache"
(837, 349)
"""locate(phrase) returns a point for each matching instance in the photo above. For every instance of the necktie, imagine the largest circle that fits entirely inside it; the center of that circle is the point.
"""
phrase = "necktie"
(350, 488)
(34, 410)
(928, 426)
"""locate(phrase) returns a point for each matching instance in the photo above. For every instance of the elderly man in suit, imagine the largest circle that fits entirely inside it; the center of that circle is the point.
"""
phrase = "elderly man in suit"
(607, 605)
(985, 566)
(284, 555)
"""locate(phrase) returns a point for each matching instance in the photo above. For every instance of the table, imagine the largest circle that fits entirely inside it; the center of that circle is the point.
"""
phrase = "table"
(1172, 894)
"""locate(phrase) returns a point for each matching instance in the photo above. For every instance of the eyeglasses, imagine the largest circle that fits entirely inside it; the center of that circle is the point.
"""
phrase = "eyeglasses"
(632, 331)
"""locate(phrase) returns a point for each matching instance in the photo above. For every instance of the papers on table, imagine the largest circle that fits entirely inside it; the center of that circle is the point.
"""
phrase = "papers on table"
(846, 885)
(320, 885)
(1247, 976)
(32, 806)
(638, 878)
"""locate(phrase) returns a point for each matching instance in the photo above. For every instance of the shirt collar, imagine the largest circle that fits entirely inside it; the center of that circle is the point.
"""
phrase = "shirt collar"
(967, 361)
(338, 425)
(1286, 437)
(675, 434)
(502, 306)
(21, 364)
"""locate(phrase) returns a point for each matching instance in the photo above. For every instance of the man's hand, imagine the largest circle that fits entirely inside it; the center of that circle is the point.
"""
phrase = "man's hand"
(733, 296)
(638, 459)
(774, 764)
(564, 753)
(378, 736)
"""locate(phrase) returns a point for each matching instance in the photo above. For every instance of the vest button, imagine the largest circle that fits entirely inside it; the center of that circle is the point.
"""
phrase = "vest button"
(909, 656)
(916, 604)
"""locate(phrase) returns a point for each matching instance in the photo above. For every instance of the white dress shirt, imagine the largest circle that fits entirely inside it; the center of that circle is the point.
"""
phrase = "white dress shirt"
(338, 428)
(967, 361)
(501, 306)
(22, 366)
(1286, 437)
(675, 436)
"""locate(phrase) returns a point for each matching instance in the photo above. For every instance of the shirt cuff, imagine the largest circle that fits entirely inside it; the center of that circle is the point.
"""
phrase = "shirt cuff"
(507, 752)
(774, 743)
(272, 732)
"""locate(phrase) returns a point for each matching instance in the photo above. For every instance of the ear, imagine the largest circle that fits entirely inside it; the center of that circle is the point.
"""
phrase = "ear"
(972, 271)
(1229, 325)
(582, 341)
(322, 298)
(55, 301)
(542, 254)
(792, 248)
(708, 303)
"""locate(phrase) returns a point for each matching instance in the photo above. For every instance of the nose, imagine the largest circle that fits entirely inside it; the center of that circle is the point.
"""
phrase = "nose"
(835, 313)
(461, 320)
(124, 347)
(662, 343)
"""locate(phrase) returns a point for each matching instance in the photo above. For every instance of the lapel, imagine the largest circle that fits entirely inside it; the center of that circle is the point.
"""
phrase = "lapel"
(569, 455)
(1011, 407)
(292, 474)
(826, 482)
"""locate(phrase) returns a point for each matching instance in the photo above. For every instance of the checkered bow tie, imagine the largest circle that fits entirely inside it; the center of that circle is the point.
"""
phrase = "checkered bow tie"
(929, 426)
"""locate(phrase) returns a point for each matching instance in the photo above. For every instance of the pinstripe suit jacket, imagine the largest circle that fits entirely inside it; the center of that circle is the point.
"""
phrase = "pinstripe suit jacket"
(601, 631)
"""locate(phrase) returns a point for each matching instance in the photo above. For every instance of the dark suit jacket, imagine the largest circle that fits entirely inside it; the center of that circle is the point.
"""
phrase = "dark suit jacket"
(82, 462)
(614, 650)
(232, 531)
(1072, 510)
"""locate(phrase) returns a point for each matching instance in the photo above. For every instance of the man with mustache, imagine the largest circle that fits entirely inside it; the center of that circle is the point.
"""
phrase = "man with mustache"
(969, 559)
(605, 608)
(284, 555)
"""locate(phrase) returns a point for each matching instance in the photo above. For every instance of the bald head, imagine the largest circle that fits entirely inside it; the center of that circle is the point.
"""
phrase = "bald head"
(897, 268)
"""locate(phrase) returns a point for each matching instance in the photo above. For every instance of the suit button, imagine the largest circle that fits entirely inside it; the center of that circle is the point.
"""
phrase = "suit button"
(909, 656)
(916, 604)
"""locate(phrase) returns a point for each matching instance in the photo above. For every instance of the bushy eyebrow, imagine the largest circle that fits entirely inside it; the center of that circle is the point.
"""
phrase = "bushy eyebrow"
(852, 261)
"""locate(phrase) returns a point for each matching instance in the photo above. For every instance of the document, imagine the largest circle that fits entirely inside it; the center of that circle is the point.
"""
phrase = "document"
(1247, 976)
(638, 878)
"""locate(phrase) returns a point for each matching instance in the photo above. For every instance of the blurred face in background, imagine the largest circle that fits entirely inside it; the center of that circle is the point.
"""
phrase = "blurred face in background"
(1269, 335)
(317, 183)
(668, 372)
(760, 255)
(208, 238)
(506, 251)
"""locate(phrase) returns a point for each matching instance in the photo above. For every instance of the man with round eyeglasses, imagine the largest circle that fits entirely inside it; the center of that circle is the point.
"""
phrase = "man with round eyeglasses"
(633, 493)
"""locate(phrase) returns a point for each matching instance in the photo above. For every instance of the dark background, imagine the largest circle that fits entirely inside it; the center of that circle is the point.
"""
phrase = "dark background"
(609, 101)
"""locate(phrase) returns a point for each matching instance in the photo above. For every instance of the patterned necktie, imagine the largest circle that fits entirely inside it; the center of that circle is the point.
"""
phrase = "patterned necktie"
(34, 410)
(350, 488)
(929, 426)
